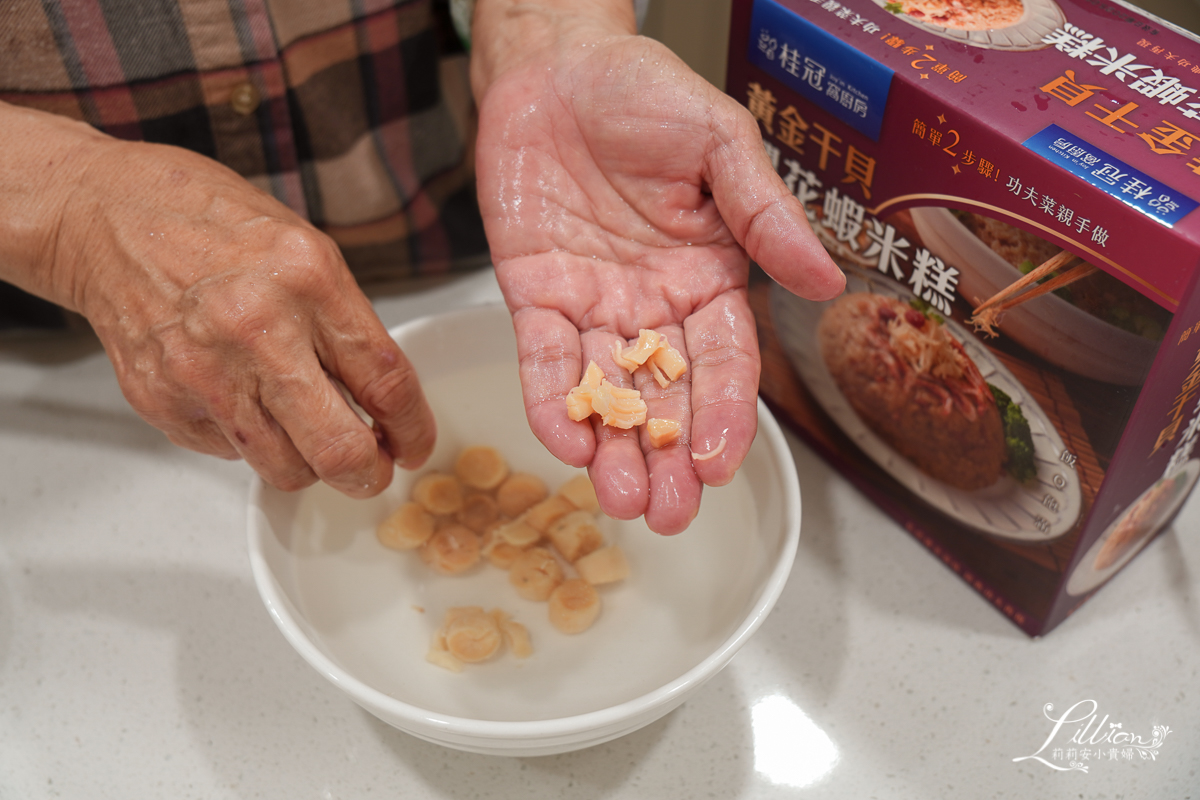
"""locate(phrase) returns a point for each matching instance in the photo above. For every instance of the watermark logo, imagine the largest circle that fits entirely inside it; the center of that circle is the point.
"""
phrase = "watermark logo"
(1080, 737)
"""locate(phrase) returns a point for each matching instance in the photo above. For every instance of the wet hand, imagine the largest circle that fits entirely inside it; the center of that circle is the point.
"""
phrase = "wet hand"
(621, 191)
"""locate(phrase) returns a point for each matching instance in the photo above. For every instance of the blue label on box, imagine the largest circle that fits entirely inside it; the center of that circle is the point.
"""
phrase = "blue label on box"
(1134, 188)
(822, 68)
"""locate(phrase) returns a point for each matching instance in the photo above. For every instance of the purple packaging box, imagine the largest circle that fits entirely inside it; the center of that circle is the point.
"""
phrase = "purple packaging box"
(944, 149)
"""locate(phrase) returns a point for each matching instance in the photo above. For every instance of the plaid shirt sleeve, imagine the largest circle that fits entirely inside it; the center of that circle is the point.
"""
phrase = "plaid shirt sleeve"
(355, 113)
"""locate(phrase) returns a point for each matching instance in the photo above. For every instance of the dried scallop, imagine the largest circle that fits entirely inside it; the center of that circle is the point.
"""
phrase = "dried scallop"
(481, 467)
(471, 634)
(581, 493)
(406, 528)
(439, 493)
(662, 431)
(605, 565)
(519, 533)
(485, 511)
(544, 514)
(535, 574)
(498, 552)
(519, 492)
(479, 511)
(575, 535)
(453, 549)
(574, 605)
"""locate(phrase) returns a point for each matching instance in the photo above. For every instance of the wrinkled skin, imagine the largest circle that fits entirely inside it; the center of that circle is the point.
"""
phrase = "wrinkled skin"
(621, 191)
(226, 316)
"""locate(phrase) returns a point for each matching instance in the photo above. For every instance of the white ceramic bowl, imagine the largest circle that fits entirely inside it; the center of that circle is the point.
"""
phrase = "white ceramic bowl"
(363, 615)
(1048, 326)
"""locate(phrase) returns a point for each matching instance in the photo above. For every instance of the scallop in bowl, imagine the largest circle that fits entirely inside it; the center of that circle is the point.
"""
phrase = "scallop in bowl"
(364, 615)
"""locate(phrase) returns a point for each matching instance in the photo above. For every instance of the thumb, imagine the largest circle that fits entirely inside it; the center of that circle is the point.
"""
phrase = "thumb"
(765, 218)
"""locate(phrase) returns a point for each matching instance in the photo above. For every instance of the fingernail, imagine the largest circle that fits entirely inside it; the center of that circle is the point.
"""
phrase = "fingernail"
(382, 441)
(411, 463)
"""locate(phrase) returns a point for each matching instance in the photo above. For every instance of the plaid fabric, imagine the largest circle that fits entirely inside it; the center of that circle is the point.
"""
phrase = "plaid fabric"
(355, 113)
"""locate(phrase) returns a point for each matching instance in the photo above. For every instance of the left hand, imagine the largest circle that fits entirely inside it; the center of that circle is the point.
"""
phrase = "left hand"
(621, 191)
(224, 313)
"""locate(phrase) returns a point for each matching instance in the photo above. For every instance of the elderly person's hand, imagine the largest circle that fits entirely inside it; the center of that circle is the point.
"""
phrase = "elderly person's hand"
(621, 191)
(225, 314)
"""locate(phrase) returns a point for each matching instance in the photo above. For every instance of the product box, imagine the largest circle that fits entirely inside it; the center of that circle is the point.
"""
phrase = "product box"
(1033, 439)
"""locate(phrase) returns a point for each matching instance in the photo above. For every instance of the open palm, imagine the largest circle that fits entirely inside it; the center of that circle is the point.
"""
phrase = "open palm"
(621, 191)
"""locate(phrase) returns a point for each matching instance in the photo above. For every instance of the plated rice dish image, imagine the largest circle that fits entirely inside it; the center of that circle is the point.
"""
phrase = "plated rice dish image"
(969, 15)
(914, 385)
(1012, 25)
(1139, 521)
(1132, 529)
(915, 404)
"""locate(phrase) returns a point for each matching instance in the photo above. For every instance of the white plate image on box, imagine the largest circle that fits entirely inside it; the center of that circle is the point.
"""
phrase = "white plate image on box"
(364, 616)
(1049, 326)
(1036, 19)
(1038, 512)
(1132, 530)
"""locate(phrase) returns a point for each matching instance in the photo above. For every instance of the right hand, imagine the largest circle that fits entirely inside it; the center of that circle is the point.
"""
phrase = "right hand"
(621, 191)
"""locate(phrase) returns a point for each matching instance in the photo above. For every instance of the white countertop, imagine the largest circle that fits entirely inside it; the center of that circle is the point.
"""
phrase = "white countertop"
(136, 660)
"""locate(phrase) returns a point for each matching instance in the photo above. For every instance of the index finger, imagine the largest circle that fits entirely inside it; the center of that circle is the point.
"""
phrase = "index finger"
(384, 383)
(549, 353)
(331, 438)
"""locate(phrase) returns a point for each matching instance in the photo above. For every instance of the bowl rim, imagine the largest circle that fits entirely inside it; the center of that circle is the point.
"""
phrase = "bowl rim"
(522, 730)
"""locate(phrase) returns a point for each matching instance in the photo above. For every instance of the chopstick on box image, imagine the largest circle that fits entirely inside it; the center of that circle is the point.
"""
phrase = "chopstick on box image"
(987, 314)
